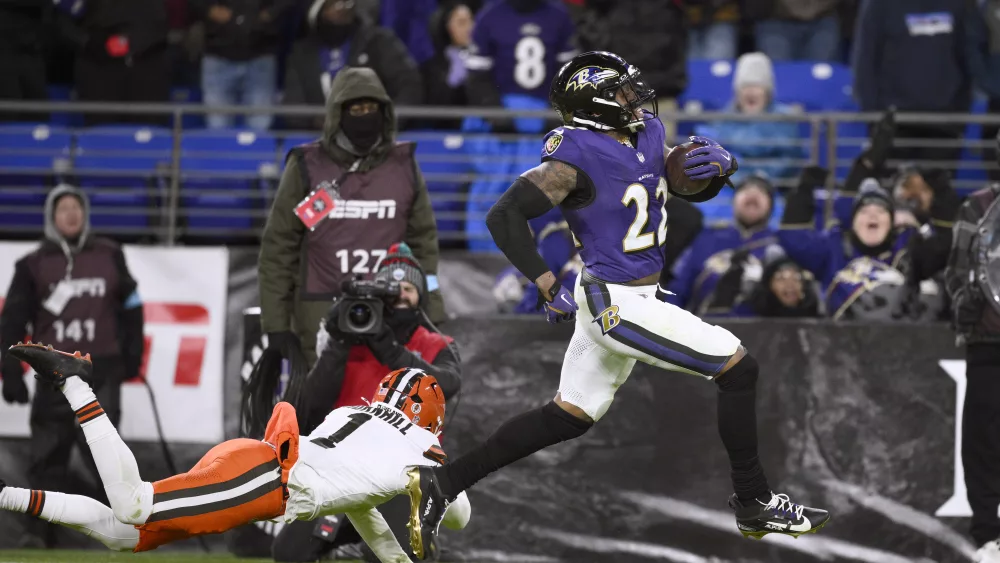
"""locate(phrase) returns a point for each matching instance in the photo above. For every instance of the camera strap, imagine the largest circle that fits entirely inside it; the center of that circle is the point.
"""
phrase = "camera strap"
(320, 202)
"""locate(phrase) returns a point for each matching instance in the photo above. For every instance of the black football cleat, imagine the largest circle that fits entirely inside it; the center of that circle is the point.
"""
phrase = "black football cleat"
(756, 519)
(427, 507)
(51, 365)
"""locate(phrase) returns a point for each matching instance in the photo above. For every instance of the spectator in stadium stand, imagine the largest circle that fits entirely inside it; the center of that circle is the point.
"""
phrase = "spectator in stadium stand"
(22, 56)
(977, 327)
(408, 20)
(926, 201)
(123, 54)
(714, 30)
(717, 248)
(348, 372)
(754, 92)
(518, 47)
(793, 30)
(652, 35)
(338, 37)
(863, 268)
(784, 289)
(445, 73)
(982, 53)
(74, 291)
(240, 63)
(379, 197)
(897, 46)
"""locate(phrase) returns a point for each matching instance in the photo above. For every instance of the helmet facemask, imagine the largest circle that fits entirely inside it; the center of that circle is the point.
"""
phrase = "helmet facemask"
(630, 94)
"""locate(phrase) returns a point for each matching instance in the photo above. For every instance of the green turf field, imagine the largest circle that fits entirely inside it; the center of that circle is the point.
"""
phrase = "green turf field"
(93, 556)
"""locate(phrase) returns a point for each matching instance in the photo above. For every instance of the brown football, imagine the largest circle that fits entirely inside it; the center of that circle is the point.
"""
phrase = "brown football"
(679, 182)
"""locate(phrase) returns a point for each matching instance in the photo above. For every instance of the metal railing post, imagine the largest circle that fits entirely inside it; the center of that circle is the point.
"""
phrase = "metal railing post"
(175, 177)
(815, 126)
(831, 164)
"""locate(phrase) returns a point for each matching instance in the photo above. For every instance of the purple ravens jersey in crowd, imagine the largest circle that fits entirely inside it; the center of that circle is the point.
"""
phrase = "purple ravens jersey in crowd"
(523, 50)
(622, 225)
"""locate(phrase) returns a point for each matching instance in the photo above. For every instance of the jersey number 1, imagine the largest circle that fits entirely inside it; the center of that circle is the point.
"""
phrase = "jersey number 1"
(636, 240)
(331, 441)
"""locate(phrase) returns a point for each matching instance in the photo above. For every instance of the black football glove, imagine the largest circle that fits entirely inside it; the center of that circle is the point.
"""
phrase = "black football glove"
(383, 344)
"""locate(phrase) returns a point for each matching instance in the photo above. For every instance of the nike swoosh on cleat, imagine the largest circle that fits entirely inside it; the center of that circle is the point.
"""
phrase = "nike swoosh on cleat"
(803, 526)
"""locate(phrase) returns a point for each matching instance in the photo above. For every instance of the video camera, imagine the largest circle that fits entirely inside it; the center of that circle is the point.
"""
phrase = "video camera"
(361, 308)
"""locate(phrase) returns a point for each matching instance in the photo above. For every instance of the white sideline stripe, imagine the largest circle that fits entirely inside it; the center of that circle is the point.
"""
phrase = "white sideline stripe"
(825, 549)
(904, 516)
(503, 556)
(220, 496)
(611, 545)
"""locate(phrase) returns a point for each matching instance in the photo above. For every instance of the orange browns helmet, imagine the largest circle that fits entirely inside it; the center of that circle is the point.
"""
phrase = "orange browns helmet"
(417, 394)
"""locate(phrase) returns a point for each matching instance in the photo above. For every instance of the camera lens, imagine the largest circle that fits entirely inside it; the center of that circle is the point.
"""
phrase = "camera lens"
(360, 316)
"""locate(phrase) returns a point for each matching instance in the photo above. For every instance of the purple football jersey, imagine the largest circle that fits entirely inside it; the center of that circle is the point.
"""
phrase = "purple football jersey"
(621, 230)
(523, 50)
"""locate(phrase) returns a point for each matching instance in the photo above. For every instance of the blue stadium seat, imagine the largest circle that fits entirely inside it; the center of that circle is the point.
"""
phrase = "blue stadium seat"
(971, 175)
(121, 169)
(443, 161)
(710, 83)
(223, 178)
(814, 86)
(31, 158)
(63, 93)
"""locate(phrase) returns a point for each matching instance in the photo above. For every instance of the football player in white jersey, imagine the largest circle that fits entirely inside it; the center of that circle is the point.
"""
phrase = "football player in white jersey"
(355, 460)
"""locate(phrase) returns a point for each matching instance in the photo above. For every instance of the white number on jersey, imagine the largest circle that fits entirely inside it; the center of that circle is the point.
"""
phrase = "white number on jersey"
(360, 259)
(75, 330)
(529, 72)
(636, 240)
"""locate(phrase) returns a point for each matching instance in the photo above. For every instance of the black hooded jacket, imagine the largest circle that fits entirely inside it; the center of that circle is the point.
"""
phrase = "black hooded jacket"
(370, 46)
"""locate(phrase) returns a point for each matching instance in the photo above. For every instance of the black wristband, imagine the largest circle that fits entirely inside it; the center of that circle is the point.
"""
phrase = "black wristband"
(508, 223)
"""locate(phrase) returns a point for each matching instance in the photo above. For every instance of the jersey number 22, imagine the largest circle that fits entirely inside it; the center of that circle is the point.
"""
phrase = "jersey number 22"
(635, 239)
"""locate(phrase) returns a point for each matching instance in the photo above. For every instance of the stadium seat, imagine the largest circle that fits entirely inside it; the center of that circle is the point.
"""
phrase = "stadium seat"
(710, 84)
(32, 157)
(814, 86)
(122, 170)
(63, 93)
(223, 175)
(444, 165)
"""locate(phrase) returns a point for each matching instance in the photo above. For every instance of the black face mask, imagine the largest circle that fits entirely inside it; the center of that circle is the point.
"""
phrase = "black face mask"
(334, 35)
(363, 130)
(403, 322)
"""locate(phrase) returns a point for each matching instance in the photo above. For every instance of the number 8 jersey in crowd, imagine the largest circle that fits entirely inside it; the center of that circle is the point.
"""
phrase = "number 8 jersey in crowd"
(357, 459)
(618, 218)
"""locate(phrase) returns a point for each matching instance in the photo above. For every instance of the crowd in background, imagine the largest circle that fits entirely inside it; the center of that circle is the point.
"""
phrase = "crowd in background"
(872, 261)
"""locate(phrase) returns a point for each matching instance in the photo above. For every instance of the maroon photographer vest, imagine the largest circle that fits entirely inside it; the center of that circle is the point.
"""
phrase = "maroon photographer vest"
(364, 372)
(371, 212)
(89, 321)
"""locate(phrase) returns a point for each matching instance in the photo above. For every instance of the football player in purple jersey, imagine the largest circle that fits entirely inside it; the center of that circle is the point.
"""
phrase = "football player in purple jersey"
(606, 168)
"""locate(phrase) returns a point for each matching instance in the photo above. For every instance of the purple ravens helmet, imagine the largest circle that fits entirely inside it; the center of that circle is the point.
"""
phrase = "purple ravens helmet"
(599, 90)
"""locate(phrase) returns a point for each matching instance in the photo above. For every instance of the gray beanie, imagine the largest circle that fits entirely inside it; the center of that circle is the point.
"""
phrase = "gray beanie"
(400, 265)
(754, 69)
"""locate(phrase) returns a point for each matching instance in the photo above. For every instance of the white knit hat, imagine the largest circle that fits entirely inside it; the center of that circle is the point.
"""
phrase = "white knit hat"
(754, 69)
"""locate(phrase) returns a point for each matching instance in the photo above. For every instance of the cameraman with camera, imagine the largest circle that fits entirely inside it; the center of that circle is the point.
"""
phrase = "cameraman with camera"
(375, 327)
(977, 326)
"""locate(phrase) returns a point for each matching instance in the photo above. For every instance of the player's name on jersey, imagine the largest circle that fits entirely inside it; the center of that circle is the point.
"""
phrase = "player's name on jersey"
(389, 415)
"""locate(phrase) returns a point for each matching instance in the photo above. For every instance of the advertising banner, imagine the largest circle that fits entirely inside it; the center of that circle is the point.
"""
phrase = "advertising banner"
(184, 298)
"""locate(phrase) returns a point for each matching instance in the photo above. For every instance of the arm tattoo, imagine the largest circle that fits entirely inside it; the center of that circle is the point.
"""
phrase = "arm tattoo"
(555, 179)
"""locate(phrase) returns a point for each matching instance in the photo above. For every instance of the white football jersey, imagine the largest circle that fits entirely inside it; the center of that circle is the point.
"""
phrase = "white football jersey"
(356, 459)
